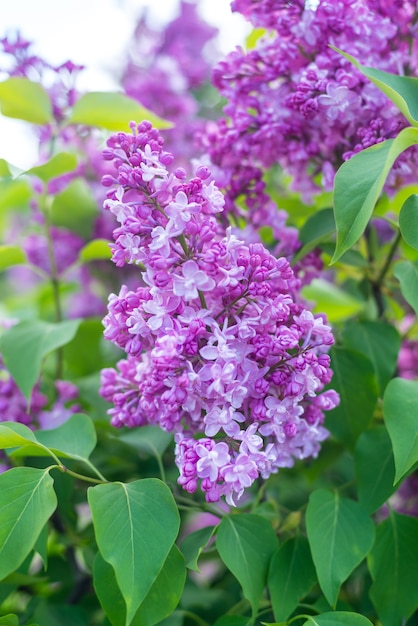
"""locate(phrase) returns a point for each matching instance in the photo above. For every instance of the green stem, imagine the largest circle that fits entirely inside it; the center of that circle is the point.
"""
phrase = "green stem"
(87, 479)
(389, 259)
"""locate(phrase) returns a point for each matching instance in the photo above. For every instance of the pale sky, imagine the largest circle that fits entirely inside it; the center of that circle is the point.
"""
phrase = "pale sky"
(94, 33)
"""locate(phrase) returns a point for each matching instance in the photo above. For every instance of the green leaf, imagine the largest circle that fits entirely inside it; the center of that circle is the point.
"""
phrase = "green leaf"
(375, 468)
(291, 576)
(25, 100)
(75, 439)
(336, 303)
(393, 565)
(401, 90)
(318, 227)
(400, 413)
(337, 618)
(25, 345)
(379, 342)
(75, 208)
(9, 620)
(5, 171)
(13, 434)
(232, 620)
(407, 274)
(408, 221)
(193, 545)
(41, 546)
(340, 535)
(11, 255)
(352, 371)
(14, 194)
(160, 601)
(358, 185)
(27, 501)
(136, 525)
(98, 249)
(113, 111)
(59, 164)
(149, 439)
(246, 544)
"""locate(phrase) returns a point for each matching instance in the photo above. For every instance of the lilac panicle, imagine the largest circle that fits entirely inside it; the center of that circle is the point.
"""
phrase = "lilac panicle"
(219, 348)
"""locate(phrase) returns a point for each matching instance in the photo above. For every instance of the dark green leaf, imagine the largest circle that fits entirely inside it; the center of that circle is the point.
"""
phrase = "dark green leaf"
(149, 439)
(232, 620)
(246, 544)
(400, 404)
(27, 500)
(25, 345)
(375, 468)
(393, 564)
(379, 342)
(407, 274)
(75, 208)
(408, 221)
(358, 185)
(11, 255)
(136, 525)
(352, 371)
(25, 100)
(317, 228)
(9, 620)
(338, 618)
(193, 545)
(291, 576)
(340, 535)
(59, 164)
(113, 111)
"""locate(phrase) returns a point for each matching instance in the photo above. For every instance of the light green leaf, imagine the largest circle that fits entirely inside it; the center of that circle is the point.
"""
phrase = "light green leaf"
(338, 618)
(149, 439)
(75, 439)
(359, 183)
(393, 565)
(97, 249)
(291, 576)
(246, 544)
(9, 620)
(11, 255)
(25, 345)
(352, 416)
(378, 341)
(340, 535)
(136, 525)
(4, 169)
(27, 500)
(75, 208)
(408, 221)
(59, 164)
(401, 90)
(25, 100)
(331, 300)
(193, 545)
(13, 434)
(14, 194)
(400, 404)
(407, 274)
(160, 601)
(113, 111)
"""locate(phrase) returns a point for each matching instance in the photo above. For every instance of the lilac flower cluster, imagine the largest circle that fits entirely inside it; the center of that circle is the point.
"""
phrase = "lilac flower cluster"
(294, 101)
(220, 349)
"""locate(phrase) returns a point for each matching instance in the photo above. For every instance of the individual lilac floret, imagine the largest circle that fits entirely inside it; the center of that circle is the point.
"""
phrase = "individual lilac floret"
(219, 348)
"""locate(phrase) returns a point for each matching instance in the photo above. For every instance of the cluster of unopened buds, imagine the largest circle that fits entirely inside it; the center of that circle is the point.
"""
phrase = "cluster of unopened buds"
(220, 349)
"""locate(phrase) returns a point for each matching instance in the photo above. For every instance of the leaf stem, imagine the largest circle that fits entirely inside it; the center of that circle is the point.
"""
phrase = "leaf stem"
(62, 468)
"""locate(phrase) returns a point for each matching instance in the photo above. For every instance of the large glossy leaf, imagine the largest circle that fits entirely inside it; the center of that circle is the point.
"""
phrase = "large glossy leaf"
(407, 274)
(25, 345)
(25, 100)
(379, 342)
(408, 221)
(359, 183)
(246, 544)
(136, 525)
(27, 500)
(400, 404)
(338, 618)
(113, 111)
(160, 601)
(340, 535)
(402, 90)
(375, 468)
(393, 565)
(59, 164)
(352, 371)
(291, 576)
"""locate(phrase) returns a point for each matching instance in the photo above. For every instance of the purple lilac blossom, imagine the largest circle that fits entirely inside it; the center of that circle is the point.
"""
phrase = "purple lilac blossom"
(294, 101)
(220, 350)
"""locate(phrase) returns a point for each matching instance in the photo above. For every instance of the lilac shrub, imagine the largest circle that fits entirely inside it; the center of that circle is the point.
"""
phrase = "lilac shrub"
(294, 101)
(220, 348)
